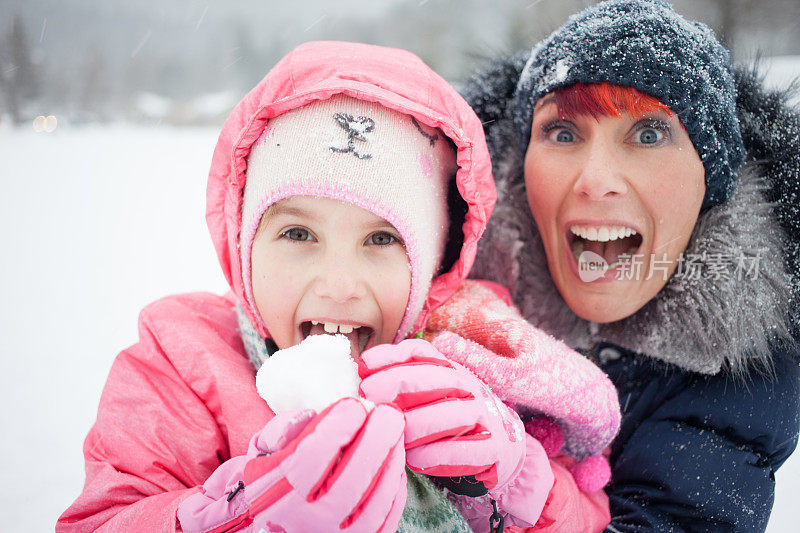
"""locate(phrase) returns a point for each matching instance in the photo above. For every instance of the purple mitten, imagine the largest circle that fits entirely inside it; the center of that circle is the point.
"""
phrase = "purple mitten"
(343, 469)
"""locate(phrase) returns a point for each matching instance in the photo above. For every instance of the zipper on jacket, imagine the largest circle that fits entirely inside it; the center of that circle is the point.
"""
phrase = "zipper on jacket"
(235, 491)
(496, 518)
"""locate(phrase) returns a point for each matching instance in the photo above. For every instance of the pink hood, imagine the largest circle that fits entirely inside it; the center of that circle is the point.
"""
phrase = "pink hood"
(393, 78)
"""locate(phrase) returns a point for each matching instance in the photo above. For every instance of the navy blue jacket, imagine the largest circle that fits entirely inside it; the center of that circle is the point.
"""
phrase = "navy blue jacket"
(695, 452)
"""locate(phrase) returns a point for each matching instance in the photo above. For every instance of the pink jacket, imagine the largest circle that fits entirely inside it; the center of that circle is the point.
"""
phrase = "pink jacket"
(183, 399)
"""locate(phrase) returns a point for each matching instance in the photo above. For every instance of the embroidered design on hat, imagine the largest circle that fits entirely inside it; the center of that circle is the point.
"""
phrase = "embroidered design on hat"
(431, 138)
(356, 129)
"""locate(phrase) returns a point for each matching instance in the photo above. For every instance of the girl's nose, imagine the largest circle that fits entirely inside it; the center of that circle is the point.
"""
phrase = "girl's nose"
(601, 176)
(340, 279)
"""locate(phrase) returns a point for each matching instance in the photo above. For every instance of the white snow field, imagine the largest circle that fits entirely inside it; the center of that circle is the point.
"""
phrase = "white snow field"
(99, 221)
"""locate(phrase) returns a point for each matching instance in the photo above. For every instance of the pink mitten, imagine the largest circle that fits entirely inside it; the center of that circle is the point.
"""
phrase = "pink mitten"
(342, 469)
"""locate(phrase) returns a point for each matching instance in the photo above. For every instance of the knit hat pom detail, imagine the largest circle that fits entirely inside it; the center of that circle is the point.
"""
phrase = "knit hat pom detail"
(547, 432)
(591, 474)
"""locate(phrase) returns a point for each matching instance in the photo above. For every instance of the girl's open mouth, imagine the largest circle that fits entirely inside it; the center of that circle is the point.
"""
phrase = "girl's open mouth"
(359, 336)
(615, 244)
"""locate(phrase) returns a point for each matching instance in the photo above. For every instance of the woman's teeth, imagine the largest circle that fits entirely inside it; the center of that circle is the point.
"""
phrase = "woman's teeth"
(615, 244)
(332, 327)
(602, 233)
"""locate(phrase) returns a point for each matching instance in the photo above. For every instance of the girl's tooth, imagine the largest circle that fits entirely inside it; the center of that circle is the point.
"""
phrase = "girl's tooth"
(315, 322)
(343, 328)
(583, 232)
(613, 234)
(575, 230)
(627, 232)
(633, 232)
(591, 234)
(603, 234)
(331, 328)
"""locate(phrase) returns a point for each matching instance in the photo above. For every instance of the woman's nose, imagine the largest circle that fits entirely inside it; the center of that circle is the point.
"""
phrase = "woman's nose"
(601, 176)
(340, 279)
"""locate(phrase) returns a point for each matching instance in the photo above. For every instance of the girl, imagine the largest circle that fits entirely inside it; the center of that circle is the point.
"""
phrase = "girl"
(332, 206)
(623, 135)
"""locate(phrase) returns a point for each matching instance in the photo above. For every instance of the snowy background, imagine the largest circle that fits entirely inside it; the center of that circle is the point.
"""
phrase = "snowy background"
(106, 214)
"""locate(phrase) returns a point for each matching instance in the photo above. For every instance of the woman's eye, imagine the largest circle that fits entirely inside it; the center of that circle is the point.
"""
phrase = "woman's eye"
(564, 136)
(381, 239)
(649, 136)
(297, 234)
(650, 132)
(557, 132)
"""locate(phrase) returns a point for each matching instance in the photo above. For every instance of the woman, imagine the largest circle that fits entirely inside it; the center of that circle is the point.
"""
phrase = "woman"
(647, 198)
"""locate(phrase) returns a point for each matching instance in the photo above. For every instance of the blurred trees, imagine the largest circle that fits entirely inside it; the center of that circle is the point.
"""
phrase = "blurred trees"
(115, 59)
(19, 78)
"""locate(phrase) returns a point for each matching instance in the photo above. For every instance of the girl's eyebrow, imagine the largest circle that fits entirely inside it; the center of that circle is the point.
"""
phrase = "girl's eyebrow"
(381, 225)
(288, 210)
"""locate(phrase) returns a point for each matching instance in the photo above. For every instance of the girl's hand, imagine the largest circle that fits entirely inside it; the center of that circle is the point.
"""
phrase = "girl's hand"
(455, 425)
(341, 469)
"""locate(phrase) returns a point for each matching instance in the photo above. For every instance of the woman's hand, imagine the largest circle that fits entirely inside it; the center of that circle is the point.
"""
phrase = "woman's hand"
(341, 469)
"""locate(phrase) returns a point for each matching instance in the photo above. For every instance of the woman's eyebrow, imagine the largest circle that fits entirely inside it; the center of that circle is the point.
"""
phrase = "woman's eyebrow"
(547, 100)
(657, 114)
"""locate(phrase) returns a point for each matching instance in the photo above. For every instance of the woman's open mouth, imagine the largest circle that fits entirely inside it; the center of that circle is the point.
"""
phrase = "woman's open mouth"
(615, 244)
(358, 335)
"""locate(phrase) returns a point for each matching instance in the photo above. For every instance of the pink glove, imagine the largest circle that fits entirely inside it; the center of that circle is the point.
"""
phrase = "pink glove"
(456, 426)
(342, 469)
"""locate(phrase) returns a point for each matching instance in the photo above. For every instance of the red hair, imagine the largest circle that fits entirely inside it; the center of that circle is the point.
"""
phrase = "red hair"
(604, 99)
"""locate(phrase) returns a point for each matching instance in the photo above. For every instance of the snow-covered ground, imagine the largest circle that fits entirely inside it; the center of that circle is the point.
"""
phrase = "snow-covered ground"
(97, 222)
(100, 221)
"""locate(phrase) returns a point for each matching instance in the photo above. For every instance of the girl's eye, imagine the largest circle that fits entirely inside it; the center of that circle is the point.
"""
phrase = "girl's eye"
(649, 136)
(297, 234)
(381, 238)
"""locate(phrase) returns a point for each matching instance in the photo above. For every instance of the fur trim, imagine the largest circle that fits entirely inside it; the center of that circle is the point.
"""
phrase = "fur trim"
(702, 325)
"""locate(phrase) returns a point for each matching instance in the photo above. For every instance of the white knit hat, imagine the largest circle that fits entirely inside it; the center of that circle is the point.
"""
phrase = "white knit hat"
(365, 154)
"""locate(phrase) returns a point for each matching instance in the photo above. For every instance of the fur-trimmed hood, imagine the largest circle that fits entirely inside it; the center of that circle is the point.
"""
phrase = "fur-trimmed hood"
(701, 324)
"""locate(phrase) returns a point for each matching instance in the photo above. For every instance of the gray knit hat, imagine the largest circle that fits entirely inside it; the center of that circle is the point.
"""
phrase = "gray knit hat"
(646, 45)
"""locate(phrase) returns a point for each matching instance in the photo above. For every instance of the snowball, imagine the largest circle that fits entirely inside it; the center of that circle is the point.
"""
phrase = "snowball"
(310, 375)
